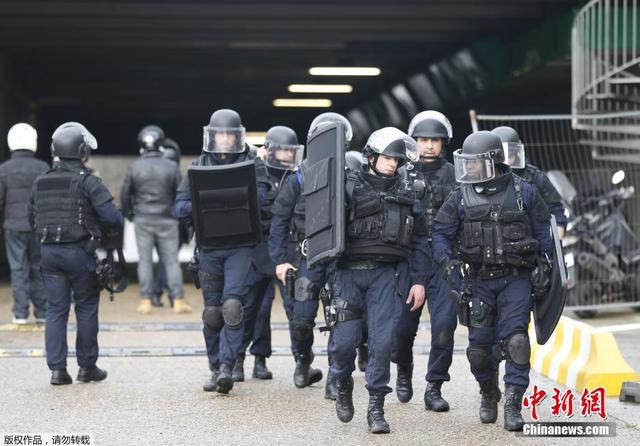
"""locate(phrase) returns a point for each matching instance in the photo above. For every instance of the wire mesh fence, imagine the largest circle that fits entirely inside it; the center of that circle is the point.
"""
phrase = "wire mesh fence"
(602, 247)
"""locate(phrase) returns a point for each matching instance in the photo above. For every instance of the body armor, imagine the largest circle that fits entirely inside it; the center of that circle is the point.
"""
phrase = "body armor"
(438, 186)
(63, 214)
(496, 230)
(380, 222)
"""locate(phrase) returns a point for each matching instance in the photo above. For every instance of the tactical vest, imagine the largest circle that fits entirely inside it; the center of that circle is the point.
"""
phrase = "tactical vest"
(380, 224)
(63, 214)
(438, 185)
(496, 230)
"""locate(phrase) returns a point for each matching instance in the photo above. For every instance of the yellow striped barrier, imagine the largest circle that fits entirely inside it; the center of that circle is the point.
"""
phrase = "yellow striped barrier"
(580, 356)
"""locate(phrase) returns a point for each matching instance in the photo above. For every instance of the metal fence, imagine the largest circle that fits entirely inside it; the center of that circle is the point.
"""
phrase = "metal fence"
(602, 247)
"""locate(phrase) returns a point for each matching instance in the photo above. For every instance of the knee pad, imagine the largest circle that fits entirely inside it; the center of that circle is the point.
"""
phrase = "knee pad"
(212, 317)
(479, 357)
(232, 312)
(301, 329)
(305, 290)
(518, 349)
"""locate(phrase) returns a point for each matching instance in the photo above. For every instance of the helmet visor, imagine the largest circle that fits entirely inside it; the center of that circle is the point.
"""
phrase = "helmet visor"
(514, 154)
(473, 168)
(223, 139)
(284, 156)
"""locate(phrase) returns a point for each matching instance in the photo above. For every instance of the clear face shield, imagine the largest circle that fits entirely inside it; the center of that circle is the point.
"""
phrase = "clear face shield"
(284, 156)
(223, 139)
(514, 154)
(473, 168)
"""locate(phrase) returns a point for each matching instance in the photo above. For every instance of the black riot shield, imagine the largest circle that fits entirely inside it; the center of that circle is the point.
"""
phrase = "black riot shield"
(547, 310)
(324, 194)
(226, 213)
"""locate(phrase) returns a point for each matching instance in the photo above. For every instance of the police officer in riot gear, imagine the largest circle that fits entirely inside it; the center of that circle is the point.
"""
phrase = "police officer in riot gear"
(498, 225)
(515, 157)
(70, 209)
(147, 195)
(432, 132)
(287, 250)
(226, 275)
(384, 230)
(283, 154)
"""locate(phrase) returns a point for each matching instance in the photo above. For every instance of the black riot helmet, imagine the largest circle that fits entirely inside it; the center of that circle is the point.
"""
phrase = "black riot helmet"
(390, 141)
(170, 149)
(330, 118)
(476, 161)
(283, 150)
(227, 126)
(431, 124)
(149, 137)
(513, 148)
(72, 140)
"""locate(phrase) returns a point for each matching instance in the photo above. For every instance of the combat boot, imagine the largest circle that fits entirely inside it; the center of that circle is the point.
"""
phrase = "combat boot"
(260, 370)
(512, 406)
(238, 370)
(490, 396)
(404, 388)
(344, 400)
(224, 383)
(144, 307)
(304, 375)
(363, 357)
(331, 389)
(433, 398)
(211, 386)
(181, 306)
(375, 414)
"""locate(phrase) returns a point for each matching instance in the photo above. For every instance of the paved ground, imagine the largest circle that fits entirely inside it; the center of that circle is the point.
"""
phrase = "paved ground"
(156, 370)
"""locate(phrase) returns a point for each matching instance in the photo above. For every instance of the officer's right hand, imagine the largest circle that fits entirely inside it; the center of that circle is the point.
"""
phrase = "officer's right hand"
(281, 271)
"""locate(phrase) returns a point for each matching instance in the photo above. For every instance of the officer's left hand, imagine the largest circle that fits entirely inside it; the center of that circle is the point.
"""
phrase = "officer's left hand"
(561, 232)
(417, 295)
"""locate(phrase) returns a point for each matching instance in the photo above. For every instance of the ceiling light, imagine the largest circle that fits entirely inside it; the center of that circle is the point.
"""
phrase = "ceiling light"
(344, 71)
(319, 88)
(319, 103)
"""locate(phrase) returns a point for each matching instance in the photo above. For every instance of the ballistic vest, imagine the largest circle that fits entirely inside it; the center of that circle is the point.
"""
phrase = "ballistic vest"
(496, 230)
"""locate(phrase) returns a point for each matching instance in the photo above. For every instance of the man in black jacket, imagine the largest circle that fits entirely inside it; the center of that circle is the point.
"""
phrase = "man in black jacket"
(147, 196)
(23, 250)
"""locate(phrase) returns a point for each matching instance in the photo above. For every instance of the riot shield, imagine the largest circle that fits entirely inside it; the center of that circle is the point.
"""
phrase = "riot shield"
(324, 194)
(226, 213)
(548, 309)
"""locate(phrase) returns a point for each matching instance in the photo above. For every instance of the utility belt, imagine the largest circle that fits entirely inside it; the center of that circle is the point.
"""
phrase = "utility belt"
(366, 264)
(500, 272)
